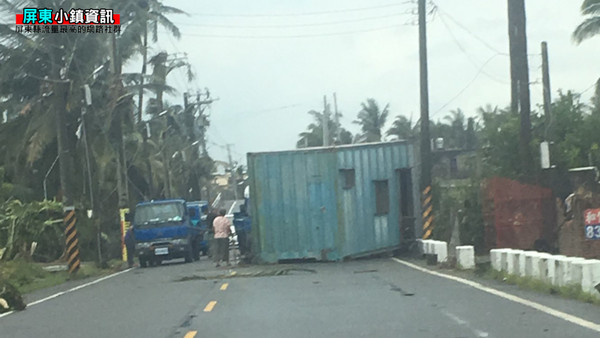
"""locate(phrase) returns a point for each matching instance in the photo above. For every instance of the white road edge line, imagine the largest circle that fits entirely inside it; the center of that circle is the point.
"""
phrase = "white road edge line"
(545, 309)
(70, 290)
(231, 209)
(462, 322)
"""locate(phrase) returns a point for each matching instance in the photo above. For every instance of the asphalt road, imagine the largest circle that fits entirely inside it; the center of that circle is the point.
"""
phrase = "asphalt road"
(376, 298)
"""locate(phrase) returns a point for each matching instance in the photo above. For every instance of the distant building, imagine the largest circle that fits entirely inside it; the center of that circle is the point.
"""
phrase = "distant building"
(221, 174)
(455, 164)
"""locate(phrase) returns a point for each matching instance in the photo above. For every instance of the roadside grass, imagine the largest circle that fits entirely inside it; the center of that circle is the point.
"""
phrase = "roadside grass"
(528, 283)
(29, 276)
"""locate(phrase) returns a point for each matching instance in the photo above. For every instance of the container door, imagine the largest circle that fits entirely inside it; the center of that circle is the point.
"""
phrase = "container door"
(322, 240)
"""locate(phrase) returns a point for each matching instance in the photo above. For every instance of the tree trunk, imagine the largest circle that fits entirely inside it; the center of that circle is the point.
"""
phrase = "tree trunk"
(144, 62)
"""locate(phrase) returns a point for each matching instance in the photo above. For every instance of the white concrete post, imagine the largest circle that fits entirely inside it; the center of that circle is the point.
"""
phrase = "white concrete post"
(542, 267)
(495, 257)
(590, 276)
(465, 257)
(554, 269)
(512, 261)
(563, 273)
(441, 250)
(504, 259)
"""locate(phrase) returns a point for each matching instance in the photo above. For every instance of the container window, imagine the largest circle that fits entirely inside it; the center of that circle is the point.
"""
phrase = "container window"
(348, 178)
(382, 198)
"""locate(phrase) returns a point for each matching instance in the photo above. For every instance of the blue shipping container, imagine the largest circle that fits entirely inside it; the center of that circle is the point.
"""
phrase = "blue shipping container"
(334, 202)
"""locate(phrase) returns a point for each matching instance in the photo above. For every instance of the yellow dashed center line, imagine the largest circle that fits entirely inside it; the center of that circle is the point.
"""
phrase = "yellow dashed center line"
(224, 286)
(209, 307)
(190, 334)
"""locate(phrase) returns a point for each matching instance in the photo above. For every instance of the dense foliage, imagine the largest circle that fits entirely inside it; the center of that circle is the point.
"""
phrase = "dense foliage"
(119, 156)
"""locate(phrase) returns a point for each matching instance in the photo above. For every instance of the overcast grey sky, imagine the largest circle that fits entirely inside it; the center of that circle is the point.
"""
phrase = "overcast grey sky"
(270, 62)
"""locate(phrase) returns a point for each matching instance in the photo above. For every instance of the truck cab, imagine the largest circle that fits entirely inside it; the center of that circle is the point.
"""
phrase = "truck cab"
(164, 230)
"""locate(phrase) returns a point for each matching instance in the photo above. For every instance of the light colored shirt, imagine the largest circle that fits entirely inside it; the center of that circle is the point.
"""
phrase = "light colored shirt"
(222, 227)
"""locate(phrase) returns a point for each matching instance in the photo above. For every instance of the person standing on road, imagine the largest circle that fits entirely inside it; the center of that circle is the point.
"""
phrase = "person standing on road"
(210, 219)
(222, 227)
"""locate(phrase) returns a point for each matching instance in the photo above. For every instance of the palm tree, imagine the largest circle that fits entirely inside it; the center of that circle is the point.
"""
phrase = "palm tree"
(372, 120)
(402, 128)
(153, 15)
(162, 66)
(28, 139)
(456, 120)
(591, 25)
(313, 137)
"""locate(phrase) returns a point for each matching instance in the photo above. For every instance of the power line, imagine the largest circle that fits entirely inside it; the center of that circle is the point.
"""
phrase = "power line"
(296, 36)
(465, 87)
(477, 37)
(338, 11)
(298, 25)
(469, 57)
(590, 87)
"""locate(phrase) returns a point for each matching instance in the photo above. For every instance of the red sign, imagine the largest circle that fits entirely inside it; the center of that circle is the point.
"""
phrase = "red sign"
(44, 16)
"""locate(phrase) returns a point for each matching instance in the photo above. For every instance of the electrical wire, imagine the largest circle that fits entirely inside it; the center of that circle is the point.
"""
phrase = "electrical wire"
(299, 36)
(465, 87)
(297, 25)
(469, 57)
(590, 87)
(338, 11)
(477, 37)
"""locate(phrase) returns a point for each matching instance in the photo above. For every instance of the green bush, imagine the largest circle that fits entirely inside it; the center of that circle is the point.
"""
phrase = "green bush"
(24, 223)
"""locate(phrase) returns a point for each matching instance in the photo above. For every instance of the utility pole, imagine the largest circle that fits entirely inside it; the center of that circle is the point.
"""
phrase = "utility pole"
(325, 122)
(200, 105)
(232, 170)
(117, 91)
(520, 77)
(547, 92)
(144, 65)
(87, 102)
(61, 89)
(427, 209)
(337, 119)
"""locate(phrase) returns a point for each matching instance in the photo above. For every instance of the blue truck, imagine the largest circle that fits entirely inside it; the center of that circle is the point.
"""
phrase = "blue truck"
(165, 230)
(199, 210)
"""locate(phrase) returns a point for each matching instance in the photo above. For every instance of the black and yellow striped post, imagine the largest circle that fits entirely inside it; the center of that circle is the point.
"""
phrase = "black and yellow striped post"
(72, 242)
(427, 208)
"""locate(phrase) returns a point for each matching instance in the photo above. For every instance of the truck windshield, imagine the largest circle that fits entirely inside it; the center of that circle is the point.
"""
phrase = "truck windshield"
(155, 214)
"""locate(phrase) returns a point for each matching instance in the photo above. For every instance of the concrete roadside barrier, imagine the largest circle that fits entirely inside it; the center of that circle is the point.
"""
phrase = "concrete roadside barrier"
(512, 261)
(465, 257)
(590, 276)
(441, 250)
(563, 271)
(557, 270)
(428, 246)
(543, 270)
(523, 263)
(495, 259)
(532, 263)
(504, 258)
(553, 268)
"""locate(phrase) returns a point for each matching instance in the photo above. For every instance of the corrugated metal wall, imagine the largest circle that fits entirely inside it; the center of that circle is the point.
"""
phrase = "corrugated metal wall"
(302, 210)
(363, 231)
